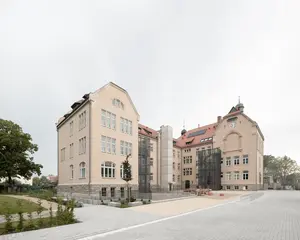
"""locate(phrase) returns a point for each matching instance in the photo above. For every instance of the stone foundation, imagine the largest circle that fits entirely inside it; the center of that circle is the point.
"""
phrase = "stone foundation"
(251, 187)
(96, 192)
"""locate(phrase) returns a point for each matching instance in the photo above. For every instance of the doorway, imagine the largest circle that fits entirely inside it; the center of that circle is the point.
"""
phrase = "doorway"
(187, 184)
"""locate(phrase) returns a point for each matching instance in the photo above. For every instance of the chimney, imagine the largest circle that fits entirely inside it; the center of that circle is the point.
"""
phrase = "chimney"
(219, 119)
(198, 125)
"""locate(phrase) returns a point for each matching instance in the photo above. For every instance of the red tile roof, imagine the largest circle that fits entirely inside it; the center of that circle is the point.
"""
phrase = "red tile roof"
(196, 140)
(146, 131)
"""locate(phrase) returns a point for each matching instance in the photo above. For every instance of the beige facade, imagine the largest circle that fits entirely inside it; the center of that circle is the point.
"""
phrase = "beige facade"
(93, 140)
(103, 127)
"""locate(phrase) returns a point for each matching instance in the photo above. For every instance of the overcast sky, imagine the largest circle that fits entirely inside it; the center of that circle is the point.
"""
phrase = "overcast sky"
(177, 59)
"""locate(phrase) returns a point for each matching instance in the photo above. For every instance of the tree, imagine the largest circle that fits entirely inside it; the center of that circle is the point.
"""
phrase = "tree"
(127, 175)
(286, 167)
(16, 150)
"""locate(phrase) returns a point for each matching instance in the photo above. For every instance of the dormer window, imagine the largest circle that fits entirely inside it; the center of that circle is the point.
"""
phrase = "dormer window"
(117, 103)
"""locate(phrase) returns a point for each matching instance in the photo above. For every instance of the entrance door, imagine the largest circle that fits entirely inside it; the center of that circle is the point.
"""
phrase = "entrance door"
(187, 184)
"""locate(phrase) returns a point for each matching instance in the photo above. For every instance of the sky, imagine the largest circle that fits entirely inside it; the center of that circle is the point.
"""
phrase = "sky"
(179, 61)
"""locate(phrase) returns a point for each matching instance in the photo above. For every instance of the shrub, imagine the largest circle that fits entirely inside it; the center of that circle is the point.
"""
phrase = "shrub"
(20, 225)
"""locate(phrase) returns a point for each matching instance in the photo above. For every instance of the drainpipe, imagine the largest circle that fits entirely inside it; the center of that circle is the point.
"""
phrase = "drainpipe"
(57, 157)
(90, 146)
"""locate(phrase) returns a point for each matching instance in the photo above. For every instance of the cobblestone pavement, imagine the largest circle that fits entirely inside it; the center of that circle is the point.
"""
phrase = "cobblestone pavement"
(273, 216)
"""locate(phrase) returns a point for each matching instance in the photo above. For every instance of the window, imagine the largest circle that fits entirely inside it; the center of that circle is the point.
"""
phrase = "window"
(113, 121)
(82, 145)
(236, 187)
(178, 154)
(108, 170)
(82, 170)
(117, 103)
(121, 171)
(63, 154)
(228, 187)
(187, 171)
(122, 148)
(173, 153)
(228, 161)
(151, 176)
(245, 175)
(151, 162)
(113, 146)
(103, 118)
(82, 120)
(130, 148)
(122, 124)
(245, 159)
(112, 192)
(221, 174)
(122, 192)
(71, 150)
(130, 127)
(71, 128)
(228, 176)
(103, 192)
(151, 147)
(246, 187)
(71, 171)
(103, 143)
(173, 178)
(108, 119)
(236, 175)
(126, 126)
(178, 178)
(174, 165)
(197, 175)
(108, 144)
(178, 166)
(236, 160)
(126, 148)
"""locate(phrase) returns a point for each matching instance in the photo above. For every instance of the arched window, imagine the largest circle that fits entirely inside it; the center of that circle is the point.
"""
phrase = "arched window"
(108, 170)
(82, 170)
(71, 171)
(121, 171)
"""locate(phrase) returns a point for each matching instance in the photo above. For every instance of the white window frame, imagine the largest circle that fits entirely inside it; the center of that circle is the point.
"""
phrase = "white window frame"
(126, 148)
(245, 159)
(122, 125)
(228, 176)
(108, 144)
(71, 172)
(113, 146)
(245, 173)
(121, 171)
(236, 160)
(113, 121)
(228, 160)
(103, 143)
(111, 170)
(82, 170)
(130, 127)
(103, 117)
(129, 148)
(71, 150)
(108, 119)
(122, 147)
(236, 175)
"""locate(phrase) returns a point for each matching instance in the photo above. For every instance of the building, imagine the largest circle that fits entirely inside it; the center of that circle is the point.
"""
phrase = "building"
(227, 154)
(93, 140)
(103, 127)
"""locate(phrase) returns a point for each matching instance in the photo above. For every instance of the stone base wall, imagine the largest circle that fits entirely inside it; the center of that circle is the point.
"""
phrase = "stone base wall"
(97, 191)
(251, 187)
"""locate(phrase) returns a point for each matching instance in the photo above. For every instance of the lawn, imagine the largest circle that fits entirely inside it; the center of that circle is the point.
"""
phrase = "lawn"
(12, 203)
(34, 225)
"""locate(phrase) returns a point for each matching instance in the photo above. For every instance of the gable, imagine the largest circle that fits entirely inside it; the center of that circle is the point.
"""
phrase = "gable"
(111, 84)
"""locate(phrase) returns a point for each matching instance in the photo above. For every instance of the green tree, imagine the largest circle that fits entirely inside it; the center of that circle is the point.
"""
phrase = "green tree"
(36, 181)
(286, 167)
(127, 175)
(16, 150)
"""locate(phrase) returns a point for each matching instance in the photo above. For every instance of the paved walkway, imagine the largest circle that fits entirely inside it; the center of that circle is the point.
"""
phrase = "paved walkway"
(100, 219)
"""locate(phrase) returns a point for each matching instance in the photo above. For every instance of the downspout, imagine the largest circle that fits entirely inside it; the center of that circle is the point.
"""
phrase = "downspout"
(90, 146)
(256, 148)
(57, 157)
